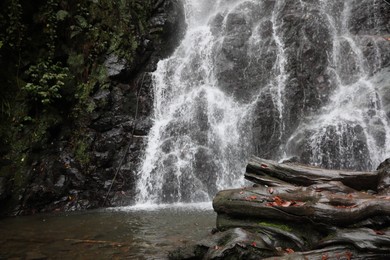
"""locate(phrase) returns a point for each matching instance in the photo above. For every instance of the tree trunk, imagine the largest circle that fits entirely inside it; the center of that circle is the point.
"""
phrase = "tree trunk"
(301, 212)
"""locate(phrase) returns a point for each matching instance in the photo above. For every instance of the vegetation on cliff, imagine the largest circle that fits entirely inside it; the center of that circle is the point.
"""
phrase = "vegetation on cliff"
(53, 55)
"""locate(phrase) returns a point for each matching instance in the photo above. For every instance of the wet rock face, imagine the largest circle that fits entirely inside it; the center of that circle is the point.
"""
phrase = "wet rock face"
(364, 22)
(3, 188)
(384, 180)
(79, 174)
(166, 29)
(298, 58)
(306, 79)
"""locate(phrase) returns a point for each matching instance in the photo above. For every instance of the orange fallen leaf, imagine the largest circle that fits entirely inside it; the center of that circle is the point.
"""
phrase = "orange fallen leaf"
(264, 165)
(216, 247)
(298, 203)
(278, 200)
(289, 251)
(348, 255)
(324, 257)
(253, 243)
(249, 198)
(379, 232)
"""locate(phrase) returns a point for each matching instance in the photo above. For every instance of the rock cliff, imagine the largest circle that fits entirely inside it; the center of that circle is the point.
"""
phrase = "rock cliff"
(78, 160)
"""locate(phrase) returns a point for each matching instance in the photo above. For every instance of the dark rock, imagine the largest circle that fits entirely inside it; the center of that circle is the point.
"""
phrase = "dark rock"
(61, 181)
(235, 243)
(353, 155)
(369, 18)
(79, 168)
(3, 188)
(114, 65)
(167, 28)
(384, 177)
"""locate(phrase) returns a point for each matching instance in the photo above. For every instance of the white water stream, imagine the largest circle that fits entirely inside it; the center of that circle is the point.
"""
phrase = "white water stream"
(197, 144)
(226, 68)
(355, 107)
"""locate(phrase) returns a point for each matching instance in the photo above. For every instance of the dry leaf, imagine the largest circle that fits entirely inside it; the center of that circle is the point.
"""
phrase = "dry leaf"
(289, 251)
(379, 232)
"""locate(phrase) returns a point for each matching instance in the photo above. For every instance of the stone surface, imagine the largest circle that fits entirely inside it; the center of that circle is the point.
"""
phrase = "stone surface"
(3, 188)
(254, 40)
(73, 176)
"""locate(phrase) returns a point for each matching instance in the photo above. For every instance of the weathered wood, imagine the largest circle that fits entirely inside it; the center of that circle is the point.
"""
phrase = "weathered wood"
(301, 212)
(301, 204)
(333, 253)
(238, 243)
(298, 174)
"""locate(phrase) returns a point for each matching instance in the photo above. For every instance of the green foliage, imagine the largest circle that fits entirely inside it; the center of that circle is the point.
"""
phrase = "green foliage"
(46, 82)
(52, 58)
(61, 15)
(274, 225)
(14, 28)
(5, 106)
(81, 152)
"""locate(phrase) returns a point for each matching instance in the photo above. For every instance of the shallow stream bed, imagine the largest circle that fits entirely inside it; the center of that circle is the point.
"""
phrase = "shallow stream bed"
(118, 233)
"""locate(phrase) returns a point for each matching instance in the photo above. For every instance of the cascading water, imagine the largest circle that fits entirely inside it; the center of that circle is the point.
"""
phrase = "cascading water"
(352, 130)
(197, 143)
(277, 78)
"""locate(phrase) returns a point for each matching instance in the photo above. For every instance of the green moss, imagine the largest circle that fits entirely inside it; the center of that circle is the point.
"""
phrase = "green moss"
(274, 225)
(81, 152)
(52, 59)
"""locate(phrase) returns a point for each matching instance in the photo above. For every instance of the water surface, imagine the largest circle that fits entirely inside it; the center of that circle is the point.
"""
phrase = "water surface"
(120, 233)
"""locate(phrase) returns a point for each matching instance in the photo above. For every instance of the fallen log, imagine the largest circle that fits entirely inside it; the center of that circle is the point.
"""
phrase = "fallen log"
(302, 204)
(302, 212)
(298, 174)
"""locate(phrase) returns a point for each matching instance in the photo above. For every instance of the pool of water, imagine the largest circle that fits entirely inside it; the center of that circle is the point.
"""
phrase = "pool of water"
(142, 232)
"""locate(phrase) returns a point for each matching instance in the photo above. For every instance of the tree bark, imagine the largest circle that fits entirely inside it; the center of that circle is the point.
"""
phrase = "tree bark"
(304, 175)
(305, 212)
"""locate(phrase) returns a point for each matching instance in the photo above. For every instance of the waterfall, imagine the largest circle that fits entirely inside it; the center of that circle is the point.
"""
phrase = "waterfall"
(352, 130)
(276, 78)
(198, 142)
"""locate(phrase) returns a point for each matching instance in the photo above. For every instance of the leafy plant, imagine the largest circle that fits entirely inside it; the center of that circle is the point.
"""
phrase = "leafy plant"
(46, 82)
